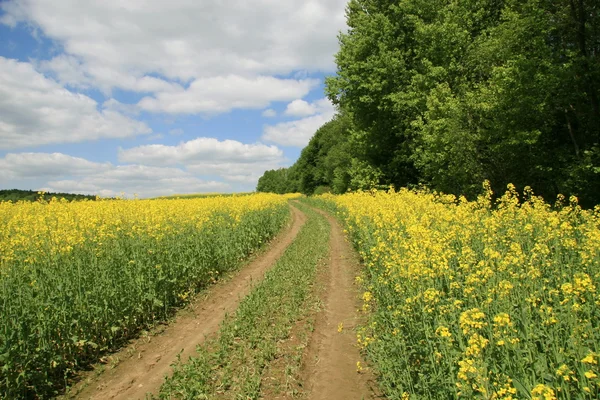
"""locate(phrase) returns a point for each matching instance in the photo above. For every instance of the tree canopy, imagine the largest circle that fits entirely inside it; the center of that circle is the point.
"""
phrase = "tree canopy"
(449, 94)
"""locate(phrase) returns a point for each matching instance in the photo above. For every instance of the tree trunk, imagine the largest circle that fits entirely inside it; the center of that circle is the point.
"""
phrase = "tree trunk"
(571, 133)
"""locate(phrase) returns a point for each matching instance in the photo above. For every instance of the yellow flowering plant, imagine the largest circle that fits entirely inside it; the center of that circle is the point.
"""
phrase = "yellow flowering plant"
(80, 278)
(513, 283)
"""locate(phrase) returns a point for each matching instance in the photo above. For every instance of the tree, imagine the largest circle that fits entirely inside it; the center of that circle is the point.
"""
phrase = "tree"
(451, 93)
(324, 162)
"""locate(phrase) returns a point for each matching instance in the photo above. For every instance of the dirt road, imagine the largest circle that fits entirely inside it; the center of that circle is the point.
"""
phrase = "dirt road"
(330, 365)
(145, 363)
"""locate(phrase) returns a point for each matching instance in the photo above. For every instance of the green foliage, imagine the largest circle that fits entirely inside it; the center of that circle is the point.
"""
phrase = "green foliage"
(61, 312)
(232, 365)
(325, 161)
(476, 300)
(364, 176)
(15, 195)
(278, 181)
(322, 190)
(449, 94)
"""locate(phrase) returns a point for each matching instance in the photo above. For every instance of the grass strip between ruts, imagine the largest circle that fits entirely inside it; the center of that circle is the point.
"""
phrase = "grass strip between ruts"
(231, 365)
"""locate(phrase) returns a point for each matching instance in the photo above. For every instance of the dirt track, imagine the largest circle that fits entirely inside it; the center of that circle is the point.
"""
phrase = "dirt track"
(330, 364)
(145, 363)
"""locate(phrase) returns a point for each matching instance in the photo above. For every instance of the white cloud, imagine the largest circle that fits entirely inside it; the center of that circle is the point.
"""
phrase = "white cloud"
(110, 42)
(36, 165)
(115, 105)
(200, 150)
(229, 159)
(72, 71)
(300, 108)
(224, 93)
(35, 110)
(138, 179)
(239, 172)
(298, 133)
(176, 131)
(59, 172)
(269, 113)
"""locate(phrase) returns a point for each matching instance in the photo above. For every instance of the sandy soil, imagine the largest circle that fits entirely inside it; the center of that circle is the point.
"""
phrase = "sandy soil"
(146, 362)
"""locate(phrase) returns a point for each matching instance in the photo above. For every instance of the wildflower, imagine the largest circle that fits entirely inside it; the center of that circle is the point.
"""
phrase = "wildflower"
(476, 344)
(472, 320)
(542, 392)
(590, 359)
(442, 331)
(590, 374)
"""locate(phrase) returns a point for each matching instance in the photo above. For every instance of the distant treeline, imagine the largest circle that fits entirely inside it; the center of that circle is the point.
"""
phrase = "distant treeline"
(201, 195)
(449, 94)
(31, 195)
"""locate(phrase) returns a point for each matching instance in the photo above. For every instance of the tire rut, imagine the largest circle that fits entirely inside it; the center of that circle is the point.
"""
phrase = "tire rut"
(144, 373)
(330, 363)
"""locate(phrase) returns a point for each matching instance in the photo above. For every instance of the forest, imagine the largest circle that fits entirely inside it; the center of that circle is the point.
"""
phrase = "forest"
(449, 94)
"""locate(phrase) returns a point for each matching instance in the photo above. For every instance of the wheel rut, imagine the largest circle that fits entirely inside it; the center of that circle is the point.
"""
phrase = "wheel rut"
(330, 367)
(146, 363)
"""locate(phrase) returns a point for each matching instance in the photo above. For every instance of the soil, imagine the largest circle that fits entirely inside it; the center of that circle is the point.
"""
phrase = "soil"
(330, 369)
(143, 365)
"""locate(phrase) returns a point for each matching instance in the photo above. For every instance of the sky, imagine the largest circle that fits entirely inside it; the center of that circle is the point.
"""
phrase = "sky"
(155, 97)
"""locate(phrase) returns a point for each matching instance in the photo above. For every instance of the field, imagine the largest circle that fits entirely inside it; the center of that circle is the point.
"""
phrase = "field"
(80, 278)
(474, 299)
(486, 299)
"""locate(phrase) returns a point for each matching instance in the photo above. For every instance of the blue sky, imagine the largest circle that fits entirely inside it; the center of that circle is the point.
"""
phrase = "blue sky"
(156, 98)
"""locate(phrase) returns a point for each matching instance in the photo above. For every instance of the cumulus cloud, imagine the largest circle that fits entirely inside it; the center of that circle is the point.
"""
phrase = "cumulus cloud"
(237, 172)
(300, 108)
(59, 172)
(229, 159)
(224, 93)
(142, 180)
(201, 150)
(35, 165)
(297, 133)
(35, 110)
(181, 39)
(72, 71)
(190, 57)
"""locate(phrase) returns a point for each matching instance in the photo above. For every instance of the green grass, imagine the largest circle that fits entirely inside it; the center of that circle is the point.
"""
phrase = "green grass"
(234, 362)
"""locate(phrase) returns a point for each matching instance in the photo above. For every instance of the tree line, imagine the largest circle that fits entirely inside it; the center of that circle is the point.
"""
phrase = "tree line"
(15, 195)
(449, 94)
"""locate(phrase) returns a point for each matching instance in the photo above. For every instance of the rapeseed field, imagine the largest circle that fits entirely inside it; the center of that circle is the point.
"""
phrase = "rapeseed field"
(80, 278)
(482, 299)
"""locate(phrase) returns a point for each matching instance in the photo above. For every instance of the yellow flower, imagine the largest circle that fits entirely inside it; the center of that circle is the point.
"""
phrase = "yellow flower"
(590, 374)
(502, 319)
(476, 345)
(472, 320)
(358, 366)
(542, 392)
(591, 359)
(442, 331)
